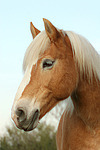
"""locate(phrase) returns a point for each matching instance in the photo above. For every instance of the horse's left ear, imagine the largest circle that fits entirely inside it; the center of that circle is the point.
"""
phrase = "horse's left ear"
(34, 30)
(51, 31)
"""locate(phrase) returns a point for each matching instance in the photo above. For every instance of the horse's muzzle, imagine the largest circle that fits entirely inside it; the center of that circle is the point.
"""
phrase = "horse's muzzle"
(26, 121)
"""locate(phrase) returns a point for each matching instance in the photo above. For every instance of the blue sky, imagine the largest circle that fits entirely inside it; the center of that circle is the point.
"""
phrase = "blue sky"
(83, 17)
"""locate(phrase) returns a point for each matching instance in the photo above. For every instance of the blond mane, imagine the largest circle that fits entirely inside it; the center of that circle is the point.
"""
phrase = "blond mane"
(85, 55)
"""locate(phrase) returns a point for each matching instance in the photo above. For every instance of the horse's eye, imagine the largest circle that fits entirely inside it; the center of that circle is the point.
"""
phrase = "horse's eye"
(47, 63)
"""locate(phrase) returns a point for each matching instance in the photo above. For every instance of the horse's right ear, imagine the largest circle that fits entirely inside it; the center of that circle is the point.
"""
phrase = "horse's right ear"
(34, 30)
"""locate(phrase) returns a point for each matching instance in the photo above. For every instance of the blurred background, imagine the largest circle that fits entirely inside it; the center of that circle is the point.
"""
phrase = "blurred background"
(83, 17)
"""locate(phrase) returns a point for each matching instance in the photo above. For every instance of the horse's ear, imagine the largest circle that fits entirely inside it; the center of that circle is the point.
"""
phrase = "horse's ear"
(34, 30)
(51, 31)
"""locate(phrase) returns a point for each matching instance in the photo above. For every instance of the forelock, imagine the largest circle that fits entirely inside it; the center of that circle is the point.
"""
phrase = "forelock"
(38, 46)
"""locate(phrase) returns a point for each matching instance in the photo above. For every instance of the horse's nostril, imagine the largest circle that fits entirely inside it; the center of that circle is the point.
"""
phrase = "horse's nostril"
(21, 115)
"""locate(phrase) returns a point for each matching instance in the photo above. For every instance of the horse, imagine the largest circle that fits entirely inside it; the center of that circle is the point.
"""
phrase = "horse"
(59, 64)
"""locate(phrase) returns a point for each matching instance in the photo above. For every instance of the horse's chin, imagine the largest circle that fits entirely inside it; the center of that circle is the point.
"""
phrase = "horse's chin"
(30, 128)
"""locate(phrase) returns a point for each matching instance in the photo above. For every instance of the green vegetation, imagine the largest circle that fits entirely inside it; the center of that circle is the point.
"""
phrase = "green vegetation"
(42, 138)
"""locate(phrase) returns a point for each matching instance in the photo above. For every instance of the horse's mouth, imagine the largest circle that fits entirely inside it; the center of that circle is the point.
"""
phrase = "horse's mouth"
(34, 121)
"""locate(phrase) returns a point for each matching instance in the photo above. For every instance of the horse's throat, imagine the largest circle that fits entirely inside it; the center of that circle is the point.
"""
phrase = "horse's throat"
(86, 99)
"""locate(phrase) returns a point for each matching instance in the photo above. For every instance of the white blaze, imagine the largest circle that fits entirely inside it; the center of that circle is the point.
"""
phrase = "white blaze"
(37, 47)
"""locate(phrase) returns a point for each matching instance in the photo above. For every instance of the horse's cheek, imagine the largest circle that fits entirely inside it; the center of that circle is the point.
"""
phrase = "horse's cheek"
(64, 87)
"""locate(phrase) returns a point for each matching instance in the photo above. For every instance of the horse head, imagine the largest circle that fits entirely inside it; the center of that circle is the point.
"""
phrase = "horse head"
(50, 76)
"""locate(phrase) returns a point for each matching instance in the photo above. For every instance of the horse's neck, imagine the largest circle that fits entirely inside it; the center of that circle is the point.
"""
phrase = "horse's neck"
(86, 99)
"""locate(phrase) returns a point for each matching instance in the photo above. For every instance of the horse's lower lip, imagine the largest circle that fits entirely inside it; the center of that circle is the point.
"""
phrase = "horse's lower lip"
(31, 125)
